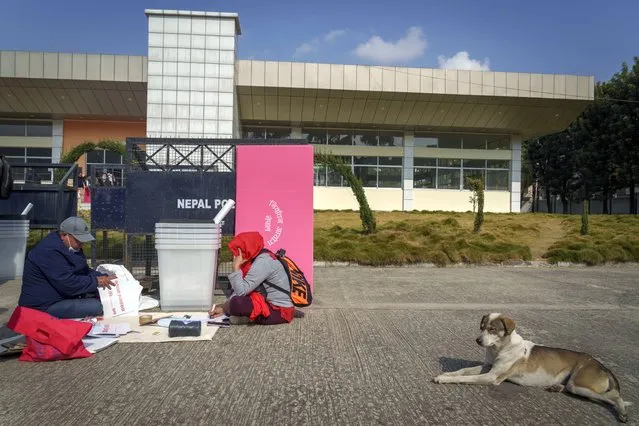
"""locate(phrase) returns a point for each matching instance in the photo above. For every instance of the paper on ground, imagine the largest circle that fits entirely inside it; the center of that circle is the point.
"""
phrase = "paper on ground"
(157, 334)
(100, 330)
(124, 298)
(94, 345)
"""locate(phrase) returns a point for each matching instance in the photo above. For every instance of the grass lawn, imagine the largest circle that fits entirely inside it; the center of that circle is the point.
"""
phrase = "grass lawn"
(446, 238)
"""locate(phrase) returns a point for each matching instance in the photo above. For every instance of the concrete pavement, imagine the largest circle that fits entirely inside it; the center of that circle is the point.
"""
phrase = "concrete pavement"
(364, 354)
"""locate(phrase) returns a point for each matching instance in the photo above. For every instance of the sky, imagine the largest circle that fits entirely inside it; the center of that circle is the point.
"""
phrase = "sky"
(582, 37)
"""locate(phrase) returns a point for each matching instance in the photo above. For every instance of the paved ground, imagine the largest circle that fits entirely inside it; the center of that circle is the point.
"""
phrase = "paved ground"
(364, 354)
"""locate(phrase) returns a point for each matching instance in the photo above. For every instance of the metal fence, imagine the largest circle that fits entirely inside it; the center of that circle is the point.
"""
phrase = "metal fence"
(125, 209)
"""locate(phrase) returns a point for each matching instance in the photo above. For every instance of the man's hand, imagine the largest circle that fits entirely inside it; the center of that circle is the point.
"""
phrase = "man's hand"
(106, 281)
(238, 260)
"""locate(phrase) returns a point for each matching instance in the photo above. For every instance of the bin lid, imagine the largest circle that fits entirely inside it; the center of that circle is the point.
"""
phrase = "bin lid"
(12, 217)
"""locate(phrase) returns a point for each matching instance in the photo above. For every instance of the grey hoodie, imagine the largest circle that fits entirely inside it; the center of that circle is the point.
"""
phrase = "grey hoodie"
(264, 268)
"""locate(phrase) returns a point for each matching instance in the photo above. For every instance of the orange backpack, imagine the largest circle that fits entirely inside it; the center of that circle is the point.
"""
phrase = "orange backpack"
(300, 294)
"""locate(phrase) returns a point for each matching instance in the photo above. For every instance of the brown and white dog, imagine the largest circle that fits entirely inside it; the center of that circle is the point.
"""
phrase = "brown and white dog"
(510, 357)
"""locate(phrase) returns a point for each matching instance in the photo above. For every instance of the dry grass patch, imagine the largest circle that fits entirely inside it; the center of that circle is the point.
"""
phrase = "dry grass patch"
(418, 237)
(612, 239)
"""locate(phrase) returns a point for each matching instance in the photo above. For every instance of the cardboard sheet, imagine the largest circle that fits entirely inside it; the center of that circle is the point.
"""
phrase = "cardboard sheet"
(158, 334)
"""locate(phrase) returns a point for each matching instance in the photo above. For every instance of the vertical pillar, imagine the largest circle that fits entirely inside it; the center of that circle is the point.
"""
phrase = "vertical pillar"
(515, 174)
(296, 132)
(407, 186)
(191, 74)
(57, 138)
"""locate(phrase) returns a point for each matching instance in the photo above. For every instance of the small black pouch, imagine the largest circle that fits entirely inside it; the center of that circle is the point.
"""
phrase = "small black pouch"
(185, 328)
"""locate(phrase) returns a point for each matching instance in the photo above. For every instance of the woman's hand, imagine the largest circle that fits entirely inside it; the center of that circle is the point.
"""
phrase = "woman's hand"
(216, 311)
(238, 260)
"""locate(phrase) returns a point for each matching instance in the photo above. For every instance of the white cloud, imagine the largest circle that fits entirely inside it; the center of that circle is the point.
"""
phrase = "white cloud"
(313, 45)
(305, 48)
(332, 35)
(461, 61)
(407, 48)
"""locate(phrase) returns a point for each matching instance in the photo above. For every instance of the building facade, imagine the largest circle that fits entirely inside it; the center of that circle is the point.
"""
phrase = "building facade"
(412, 135)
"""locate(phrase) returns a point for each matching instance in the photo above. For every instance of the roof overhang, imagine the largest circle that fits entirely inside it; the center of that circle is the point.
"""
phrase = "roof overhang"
(72, 85)
(308, 94)
(65, 85)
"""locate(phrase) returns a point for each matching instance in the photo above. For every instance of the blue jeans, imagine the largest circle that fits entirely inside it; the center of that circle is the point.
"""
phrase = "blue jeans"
(76, 308)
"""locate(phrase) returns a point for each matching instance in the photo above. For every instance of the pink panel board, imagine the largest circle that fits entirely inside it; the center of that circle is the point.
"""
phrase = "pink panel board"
(274, 196)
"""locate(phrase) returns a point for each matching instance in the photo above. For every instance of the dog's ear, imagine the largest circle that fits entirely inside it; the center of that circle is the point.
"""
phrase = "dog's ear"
(509, 325)
(484, 322)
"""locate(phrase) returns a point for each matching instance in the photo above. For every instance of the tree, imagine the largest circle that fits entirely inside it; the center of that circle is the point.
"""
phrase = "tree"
(552, 160)
(476, 184)
(79, 150)
(337, 164)
(595, 136)
(622, 93)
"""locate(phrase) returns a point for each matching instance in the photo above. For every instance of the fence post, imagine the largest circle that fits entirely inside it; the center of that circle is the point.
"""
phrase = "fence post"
(128, 251)
(148, 246)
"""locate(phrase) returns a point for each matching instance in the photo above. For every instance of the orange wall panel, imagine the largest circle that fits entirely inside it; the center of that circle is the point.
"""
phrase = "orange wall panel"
(78, 131)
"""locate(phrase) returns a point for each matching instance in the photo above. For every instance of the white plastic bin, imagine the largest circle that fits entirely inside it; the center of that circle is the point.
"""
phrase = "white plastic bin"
(187, 264)
(13, 234)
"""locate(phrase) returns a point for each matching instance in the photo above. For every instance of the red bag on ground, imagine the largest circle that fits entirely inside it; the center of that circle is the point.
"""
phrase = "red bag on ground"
(49, 338)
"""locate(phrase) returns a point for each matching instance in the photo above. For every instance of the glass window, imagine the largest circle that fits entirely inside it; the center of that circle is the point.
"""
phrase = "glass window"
(425, 162)
(449, 162)
(281, 133)
(13, 152)
(368, 175)
(12, 128)
(391, 139)
(347, 159)
(16, 160)
(497, 180)
(450, 141)
(473, 173)
(425, 141)
(112, 157)
(499, 142)
(253, 133)
(95, 156)
(424, 177)
(335, 179)
(365, 160)
(365, 139)
(340, 138)
(39, 128)
(448, 178)
(390, 161)
(474, 141)
(39, 152)
(320, 175)
(315, 136)
(474, 164)
(498, 164)
(390, 177)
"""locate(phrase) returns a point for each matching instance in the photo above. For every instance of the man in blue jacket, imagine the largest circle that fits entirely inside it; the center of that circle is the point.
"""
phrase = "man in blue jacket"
(56, 277)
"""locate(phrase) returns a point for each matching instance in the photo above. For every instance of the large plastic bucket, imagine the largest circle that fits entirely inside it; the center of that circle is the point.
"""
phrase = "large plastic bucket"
(13, 248)
(187, 275)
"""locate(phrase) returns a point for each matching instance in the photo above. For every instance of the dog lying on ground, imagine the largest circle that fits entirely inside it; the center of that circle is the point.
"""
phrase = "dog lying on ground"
(510, 357)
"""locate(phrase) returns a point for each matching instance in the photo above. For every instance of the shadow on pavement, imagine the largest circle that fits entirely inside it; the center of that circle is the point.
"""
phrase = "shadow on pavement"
(453, 364)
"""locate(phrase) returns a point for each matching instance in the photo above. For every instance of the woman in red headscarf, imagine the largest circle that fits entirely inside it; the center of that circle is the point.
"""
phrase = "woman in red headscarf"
(254, 280)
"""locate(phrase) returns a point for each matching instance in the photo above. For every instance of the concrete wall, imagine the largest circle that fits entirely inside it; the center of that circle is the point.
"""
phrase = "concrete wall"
(389, 199)
(335, 198)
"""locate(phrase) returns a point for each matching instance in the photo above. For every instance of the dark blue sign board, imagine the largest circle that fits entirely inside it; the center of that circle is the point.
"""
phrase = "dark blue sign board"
(50, 204)
(153, 197)
(108, 207)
